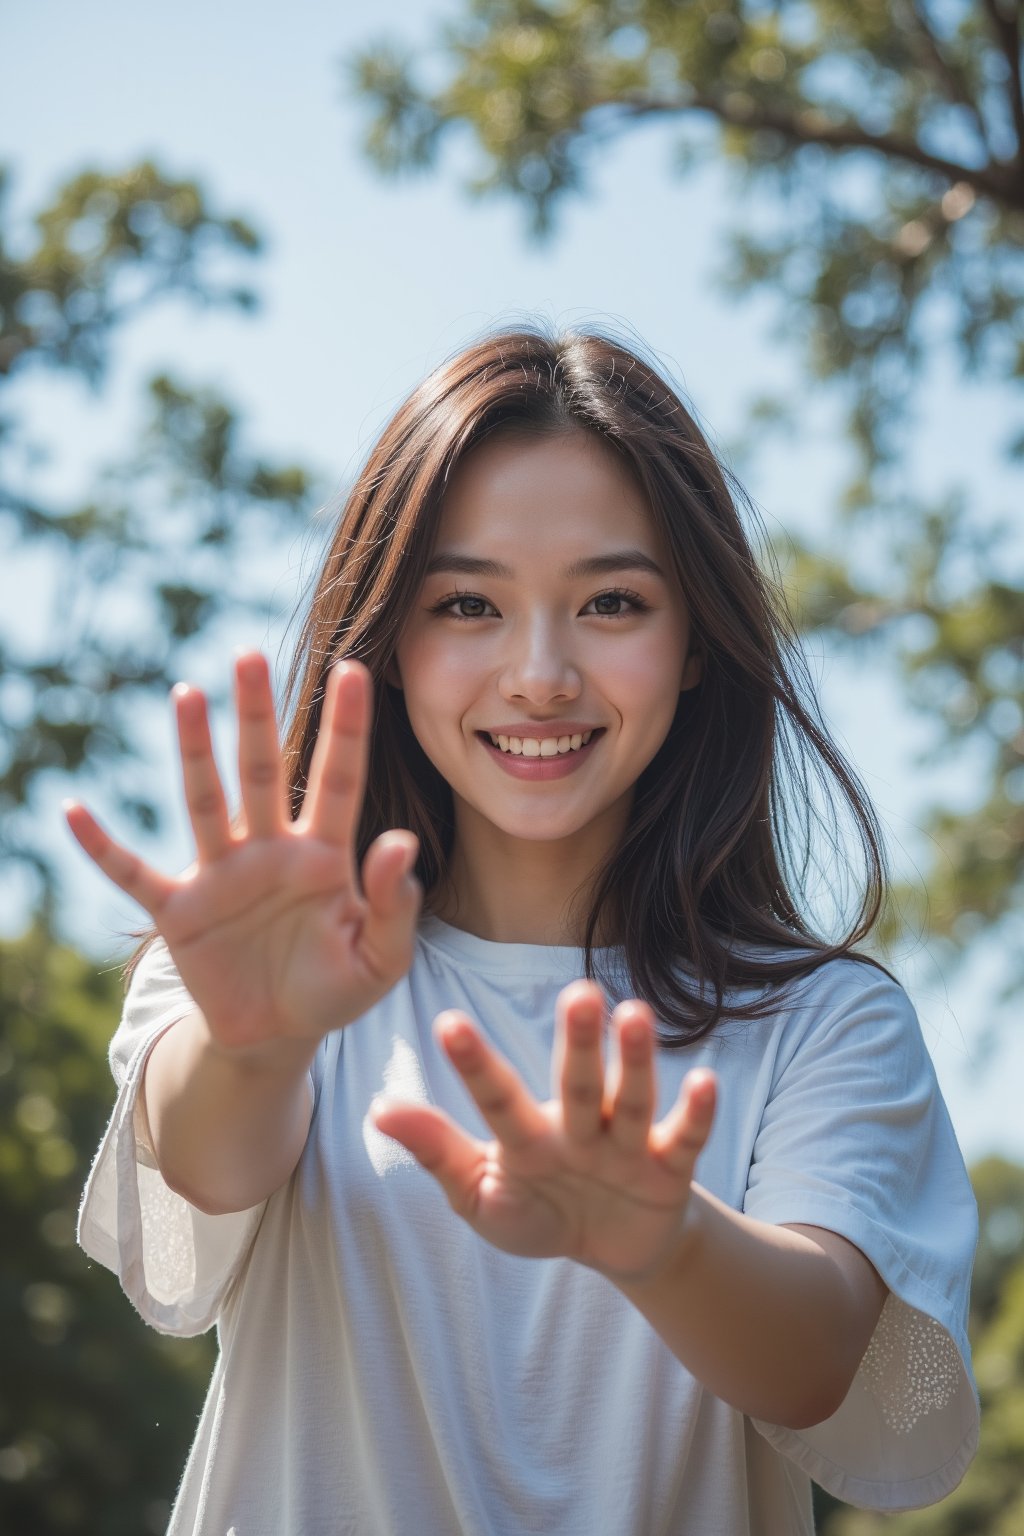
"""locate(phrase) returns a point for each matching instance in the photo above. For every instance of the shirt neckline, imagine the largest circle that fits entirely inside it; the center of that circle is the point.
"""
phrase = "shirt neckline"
(488, 955)
(510, 959)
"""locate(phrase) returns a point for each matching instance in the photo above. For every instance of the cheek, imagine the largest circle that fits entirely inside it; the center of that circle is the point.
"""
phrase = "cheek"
(437, 675)
(639, 674)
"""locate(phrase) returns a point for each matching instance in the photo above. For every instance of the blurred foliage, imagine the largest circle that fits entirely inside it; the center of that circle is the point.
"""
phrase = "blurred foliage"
(167, 542)
(877, 152)
(97, 1411)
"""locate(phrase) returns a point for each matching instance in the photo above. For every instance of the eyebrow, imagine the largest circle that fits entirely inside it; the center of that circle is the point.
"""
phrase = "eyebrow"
(453, 564)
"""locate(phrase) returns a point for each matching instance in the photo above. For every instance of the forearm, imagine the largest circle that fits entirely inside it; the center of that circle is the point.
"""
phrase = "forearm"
(226, 1128)
(760, 1314)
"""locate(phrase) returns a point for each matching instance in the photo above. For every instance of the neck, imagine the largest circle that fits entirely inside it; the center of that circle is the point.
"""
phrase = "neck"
(513, 891)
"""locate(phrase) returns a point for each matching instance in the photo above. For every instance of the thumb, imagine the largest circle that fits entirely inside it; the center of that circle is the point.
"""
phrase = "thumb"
(393, 897)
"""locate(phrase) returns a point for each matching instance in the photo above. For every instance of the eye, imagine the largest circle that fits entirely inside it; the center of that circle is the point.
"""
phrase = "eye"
(448, 604)
(620, 595)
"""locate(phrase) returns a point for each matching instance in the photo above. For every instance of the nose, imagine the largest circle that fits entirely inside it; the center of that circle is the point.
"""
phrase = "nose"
(540, 667)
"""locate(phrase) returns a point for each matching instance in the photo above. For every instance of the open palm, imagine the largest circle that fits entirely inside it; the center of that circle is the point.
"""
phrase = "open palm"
(271, 932)
(585, 1175)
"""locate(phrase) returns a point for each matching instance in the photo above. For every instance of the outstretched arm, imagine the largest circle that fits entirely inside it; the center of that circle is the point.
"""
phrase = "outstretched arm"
(275, 936)
(772, 1319)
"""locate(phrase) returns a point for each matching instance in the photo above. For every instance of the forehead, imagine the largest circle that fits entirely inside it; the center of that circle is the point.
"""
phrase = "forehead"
(526, 492)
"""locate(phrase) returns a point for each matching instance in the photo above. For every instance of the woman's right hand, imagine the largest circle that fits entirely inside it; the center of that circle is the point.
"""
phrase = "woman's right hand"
(271, 932)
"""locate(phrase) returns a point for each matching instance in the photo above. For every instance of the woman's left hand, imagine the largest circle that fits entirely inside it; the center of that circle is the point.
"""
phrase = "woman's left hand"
(584, 1176)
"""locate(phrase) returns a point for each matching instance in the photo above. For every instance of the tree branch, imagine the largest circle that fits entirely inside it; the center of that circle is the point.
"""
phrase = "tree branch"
(1007, 31)
(1000, 182)
(949, 78)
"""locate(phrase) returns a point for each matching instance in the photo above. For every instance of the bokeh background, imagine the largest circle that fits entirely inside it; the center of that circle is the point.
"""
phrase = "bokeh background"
(232, 238)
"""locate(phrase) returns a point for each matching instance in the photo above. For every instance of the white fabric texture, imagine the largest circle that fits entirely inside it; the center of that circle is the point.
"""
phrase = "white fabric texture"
(384, 1370)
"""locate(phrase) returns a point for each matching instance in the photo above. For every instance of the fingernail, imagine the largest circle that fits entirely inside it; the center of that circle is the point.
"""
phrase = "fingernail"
(409, 856)
(458, 1037)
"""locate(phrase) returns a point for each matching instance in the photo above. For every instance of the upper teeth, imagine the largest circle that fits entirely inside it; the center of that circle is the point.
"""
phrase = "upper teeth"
(530, 746)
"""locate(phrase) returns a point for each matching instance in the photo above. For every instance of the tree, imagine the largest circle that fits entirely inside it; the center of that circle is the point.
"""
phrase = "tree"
(883, 145)
(97, 1411)
(168, 542)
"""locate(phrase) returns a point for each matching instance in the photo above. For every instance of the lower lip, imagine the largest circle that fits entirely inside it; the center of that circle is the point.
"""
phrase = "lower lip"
(540, 767)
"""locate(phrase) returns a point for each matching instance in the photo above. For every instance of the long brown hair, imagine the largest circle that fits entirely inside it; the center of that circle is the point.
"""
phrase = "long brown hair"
(711, 868)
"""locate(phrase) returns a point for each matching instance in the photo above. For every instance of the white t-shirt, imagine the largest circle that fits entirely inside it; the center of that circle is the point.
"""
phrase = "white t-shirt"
(385, 1371)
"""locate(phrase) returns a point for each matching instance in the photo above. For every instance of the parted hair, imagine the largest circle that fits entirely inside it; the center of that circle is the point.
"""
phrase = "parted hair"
(706, 891)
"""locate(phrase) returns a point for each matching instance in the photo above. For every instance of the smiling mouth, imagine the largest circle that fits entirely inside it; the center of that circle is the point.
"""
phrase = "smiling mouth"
(548, 748)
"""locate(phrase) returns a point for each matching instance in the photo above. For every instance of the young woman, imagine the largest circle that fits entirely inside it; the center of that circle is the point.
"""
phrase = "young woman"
(484, 1079)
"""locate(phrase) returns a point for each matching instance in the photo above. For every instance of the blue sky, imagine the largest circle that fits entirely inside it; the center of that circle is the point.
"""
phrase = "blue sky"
(365, 285)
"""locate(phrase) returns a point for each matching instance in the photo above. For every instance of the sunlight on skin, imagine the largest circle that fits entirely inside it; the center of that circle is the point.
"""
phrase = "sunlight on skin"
(585, 1175)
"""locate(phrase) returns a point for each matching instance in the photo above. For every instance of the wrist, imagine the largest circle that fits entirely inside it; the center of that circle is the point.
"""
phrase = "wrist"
(197, 1042)
(278, 1055)
(677, 1255)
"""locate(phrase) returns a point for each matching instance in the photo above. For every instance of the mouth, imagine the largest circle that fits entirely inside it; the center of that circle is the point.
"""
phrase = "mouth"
(547, 748)
(535, 766)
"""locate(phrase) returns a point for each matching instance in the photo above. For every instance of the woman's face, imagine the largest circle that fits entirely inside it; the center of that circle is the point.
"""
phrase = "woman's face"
(548, 612)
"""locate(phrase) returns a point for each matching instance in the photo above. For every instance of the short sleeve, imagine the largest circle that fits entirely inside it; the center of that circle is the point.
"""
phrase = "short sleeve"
(175, 1263)
(856, 1138)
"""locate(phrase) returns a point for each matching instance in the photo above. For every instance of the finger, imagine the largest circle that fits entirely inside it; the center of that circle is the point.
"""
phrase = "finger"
(204, 793)
(143, 884)
(456, 1161)
(679, 1139)
(337, 774)
(512, 1113)
(393, 896)
(578, 1066)
(630, 1090)
(260, 772)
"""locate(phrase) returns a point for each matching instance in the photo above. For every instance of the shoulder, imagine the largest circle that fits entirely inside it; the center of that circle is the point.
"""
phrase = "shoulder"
(828, 997)
(847, 979)
(850, 1012)
(152, 966)
(836, 981)
(156, 996)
